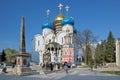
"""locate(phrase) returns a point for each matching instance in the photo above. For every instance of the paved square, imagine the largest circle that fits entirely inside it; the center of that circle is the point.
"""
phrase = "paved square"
(74, 74)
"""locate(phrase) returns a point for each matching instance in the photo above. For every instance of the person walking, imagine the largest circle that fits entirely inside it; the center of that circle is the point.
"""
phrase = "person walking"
(4, 67)
(58, 66)
(51, 66)
(66, 67)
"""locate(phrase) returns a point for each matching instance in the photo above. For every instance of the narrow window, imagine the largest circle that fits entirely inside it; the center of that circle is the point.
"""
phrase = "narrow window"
(38, 42)
(62, 39)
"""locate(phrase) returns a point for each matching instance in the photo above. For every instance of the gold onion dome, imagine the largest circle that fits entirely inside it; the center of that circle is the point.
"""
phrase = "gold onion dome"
(60, 17)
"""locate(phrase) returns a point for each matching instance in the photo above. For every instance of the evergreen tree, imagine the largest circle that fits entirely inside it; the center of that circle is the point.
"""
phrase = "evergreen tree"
(110, 48)
(88, 57)
(100, 53)
(3, 56)
(97, 54)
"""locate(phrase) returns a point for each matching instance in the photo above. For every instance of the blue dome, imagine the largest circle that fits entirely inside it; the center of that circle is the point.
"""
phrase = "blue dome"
(67, 20)
(47, 25)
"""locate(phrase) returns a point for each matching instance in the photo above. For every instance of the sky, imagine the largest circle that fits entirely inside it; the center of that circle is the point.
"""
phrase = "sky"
(100, 16)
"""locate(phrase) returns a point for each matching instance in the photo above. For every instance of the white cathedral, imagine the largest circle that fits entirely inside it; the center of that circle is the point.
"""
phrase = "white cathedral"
(57, 43)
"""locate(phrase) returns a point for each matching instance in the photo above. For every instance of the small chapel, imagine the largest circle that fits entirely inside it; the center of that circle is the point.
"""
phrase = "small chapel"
(57, 43)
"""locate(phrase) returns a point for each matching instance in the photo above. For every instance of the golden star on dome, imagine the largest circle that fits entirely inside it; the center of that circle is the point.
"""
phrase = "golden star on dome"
(67, 30)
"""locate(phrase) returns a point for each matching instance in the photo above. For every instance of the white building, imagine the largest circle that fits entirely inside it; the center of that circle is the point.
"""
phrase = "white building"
(54, 35)
(118, 52)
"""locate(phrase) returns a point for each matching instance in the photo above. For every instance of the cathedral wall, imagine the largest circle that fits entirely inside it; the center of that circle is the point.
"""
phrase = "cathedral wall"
(68, 55)
(60, 38)
(47, 31)
(39, 43)
(48, 38)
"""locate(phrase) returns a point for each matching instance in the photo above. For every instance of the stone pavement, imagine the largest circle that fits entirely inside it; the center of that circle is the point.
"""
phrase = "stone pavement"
(74, 74)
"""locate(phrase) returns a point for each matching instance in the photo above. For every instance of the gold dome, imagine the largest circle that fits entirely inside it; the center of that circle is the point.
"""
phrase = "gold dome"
(60, 17)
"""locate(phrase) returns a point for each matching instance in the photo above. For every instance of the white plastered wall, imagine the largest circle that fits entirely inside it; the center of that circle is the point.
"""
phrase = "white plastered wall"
(47, 31)
(70, 27)
(60, 38)
(39, 46)
(48, 37)
(118, 53)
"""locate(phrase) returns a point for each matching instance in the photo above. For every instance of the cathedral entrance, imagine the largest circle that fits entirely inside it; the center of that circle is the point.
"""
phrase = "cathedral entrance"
(55, 50)
(46, 59)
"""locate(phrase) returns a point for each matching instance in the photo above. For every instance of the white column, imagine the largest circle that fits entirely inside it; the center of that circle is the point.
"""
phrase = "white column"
(118, 53)
(52, 56)
(39, 57)
(71, 39)
(60, 56)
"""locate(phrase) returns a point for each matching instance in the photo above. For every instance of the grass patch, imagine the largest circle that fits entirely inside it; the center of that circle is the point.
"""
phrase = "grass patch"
(112, 72)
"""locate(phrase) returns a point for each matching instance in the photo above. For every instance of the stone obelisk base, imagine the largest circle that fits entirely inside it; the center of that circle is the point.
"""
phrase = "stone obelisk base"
(22, 71)
(41, 71)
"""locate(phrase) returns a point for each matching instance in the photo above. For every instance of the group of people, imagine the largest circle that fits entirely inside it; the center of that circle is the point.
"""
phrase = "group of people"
(51, 66)
(57, 66)
(4, 69)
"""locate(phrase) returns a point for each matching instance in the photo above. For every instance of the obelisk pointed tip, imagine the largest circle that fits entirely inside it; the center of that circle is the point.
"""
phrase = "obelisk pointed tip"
(22, 17)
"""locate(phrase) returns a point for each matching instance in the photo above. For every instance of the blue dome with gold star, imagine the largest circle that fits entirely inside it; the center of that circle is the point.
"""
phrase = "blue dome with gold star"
(67, 20)
(47, 24)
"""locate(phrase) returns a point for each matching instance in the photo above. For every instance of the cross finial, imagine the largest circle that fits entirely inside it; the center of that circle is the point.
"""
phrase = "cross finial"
(48, 11)
(67, 8)
(60, 6)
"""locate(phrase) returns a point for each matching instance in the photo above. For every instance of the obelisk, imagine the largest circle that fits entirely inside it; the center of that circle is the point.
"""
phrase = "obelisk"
(22, 49)
(22, 57)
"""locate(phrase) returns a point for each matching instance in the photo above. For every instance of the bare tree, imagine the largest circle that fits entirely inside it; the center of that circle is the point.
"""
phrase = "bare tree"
(85, 38)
